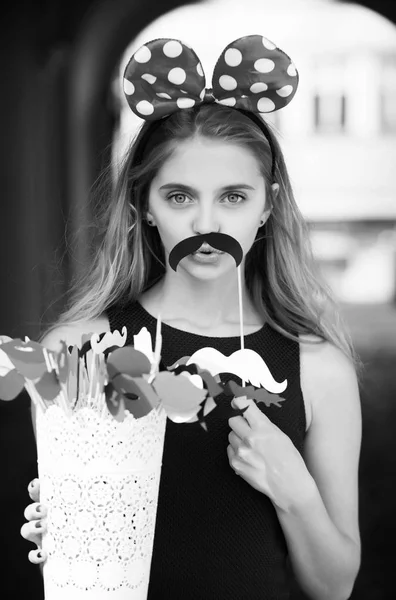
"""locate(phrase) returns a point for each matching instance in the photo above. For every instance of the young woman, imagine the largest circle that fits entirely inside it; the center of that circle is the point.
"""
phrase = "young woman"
(277, 487)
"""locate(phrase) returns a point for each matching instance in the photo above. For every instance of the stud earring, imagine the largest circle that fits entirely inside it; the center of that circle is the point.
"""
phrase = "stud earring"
(264, 220)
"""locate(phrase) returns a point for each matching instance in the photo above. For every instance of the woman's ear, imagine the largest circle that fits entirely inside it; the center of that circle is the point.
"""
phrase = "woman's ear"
(150, 219)
(265, 216)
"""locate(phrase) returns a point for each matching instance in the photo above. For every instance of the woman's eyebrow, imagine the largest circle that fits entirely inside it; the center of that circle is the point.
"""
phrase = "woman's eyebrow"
(190, 189)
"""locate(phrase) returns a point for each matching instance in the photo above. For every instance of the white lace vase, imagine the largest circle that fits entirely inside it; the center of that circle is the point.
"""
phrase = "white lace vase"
(99, 480)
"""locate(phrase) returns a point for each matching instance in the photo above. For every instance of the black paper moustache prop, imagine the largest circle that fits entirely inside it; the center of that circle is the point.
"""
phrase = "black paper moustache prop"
(219, 241)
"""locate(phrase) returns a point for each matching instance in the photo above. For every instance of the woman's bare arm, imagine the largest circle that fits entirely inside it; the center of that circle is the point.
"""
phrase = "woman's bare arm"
(323, 533)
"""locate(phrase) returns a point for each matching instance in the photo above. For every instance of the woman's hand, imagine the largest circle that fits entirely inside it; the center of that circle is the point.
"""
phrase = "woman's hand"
(33, 530)
(266, 457)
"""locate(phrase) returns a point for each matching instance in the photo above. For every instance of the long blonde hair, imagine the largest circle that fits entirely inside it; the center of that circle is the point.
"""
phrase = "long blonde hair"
(281, 274)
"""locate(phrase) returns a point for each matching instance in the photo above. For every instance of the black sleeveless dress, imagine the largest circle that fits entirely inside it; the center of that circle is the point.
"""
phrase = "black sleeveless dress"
(216, 537)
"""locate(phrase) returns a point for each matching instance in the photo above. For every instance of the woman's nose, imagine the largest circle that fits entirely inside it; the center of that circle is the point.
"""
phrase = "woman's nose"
(206, 221)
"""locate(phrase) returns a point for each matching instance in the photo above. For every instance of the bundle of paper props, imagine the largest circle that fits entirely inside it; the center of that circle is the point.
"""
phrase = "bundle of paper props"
(103, 374)
(111, 377)
(106, 375)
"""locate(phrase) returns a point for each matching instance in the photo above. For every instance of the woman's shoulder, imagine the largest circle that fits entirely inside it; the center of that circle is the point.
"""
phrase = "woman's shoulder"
(327, 375)
(320, 356)
(72, 333)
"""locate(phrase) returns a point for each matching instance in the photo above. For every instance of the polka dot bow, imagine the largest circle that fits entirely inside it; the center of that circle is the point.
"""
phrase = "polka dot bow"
(251, 73)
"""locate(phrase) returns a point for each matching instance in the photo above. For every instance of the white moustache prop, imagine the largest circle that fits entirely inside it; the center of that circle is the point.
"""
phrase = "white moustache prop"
(109, 339)
(246, 364)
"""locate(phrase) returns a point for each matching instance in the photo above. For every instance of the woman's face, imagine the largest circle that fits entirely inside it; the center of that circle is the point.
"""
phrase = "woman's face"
(208, 186)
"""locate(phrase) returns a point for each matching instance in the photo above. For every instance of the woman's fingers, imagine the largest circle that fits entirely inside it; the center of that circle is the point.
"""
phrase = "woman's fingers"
(34, 490)
(33, 530)
(37, 556)
(31, 533)
(35, 511)
(37, 524)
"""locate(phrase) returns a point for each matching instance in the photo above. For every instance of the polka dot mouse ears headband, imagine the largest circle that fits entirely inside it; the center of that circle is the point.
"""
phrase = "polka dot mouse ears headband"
(251, 74)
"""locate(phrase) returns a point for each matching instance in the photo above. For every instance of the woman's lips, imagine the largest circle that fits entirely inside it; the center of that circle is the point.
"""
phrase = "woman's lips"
(205, 248)
(201, 257)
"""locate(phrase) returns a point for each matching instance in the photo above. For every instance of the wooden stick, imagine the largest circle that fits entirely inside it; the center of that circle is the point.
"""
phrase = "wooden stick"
(157, 351)
(93, 365)
(240, 312)
(158, 341)
(53, 366)
(47, 360)
(83, 383)
(35, 396)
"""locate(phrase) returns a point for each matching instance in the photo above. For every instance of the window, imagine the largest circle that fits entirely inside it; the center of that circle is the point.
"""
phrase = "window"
(329, 94)
(330, 111)
(388, 95)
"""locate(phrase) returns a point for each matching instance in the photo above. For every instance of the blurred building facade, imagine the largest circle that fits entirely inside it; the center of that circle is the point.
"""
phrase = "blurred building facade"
(342, 152)
(339, 132)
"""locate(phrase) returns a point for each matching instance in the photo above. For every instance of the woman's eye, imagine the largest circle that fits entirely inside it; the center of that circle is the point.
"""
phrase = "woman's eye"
(233, 198)
(178, 198)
